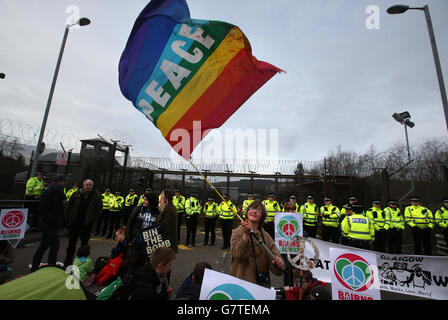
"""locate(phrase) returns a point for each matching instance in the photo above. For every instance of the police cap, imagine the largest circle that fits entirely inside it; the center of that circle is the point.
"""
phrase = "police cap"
(60, 177)
(357, 208)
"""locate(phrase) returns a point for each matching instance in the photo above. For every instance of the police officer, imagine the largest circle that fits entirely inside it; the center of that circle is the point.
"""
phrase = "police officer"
(271, 206)
(330, 220)
(293, 199)
(192, 210)
(71, 191)
(226, 215)
(246, 203)
(420, 219)
(395, 238)
(130, 203)
(351, 201)
(310, 212)
(381, 224)
(211, 213)
(102, 223)
(179, 203)
(140, 200)
(116, 206)
(357, 230)
(441, 218)
(33, 190)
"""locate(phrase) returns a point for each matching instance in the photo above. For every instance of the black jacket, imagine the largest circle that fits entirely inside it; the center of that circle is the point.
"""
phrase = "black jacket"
(92, 213)
(148, 285)
(51, 208)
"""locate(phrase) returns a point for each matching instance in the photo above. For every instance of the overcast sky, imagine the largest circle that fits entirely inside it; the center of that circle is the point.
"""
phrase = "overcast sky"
(342, 83)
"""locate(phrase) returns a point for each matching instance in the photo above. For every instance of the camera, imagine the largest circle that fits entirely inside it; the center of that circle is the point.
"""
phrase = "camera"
(263, 278)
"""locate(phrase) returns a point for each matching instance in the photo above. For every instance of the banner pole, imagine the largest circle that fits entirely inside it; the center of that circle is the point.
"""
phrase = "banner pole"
(234, 211)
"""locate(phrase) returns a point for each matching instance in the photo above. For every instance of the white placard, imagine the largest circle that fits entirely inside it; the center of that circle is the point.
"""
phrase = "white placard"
(220, 286)
(288, 226)
(354, 275)
(13, 223)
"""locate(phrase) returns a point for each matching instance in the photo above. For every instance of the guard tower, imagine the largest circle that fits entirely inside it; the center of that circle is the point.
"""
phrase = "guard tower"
(97, 158)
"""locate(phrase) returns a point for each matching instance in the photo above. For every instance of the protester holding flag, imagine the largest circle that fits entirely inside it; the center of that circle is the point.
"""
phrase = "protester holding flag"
(249, 260)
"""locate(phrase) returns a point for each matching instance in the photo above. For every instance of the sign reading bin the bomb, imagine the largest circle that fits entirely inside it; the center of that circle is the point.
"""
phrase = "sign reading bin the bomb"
(155, 237)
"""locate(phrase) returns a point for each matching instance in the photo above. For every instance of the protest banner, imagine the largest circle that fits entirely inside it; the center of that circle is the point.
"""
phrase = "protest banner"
(13, 223)
(421, 276)
(155, 237)
(354, 275)
(288, 226)
(220, 286)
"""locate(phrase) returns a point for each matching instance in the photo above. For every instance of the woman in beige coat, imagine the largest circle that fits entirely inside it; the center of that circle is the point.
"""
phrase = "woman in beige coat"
(250, 261)
(168, 213)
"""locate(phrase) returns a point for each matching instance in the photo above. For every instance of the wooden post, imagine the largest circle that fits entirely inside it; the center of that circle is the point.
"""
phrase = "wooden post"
(300, 284)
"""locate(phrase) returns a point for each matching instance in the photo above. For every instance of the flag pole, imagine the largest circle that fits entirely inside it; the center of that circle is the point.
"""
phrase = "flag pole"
(234, 211)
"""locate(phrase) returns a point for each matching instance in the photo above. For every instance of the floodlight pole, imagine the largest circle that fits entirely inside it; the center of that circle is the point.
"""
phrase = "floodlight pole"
(407, 141)
(409, 161)
(81, 22)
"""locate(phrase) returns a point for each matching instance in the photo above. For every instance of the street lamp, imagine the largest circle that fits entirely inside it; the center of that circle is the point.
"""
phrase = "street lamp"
(404, 118)
(40, 146)
(398, 9)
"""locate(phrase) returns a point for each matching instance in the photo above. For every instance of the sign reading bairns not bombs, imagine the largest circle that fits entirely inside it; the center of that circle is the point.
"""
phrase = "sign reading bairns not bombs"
(13, 223)
(354, 275)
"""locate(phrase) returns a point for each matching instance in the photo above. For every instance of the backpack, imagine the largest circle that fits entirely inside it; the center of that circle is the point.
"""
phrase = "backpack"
(100, 263)
(108, 291)
(119, 289)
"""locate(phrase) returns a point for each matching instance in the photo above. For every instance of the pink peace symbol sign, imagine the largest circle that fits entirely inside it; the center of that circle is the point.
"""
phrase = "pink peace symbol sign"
(13, 219)
(289, 229)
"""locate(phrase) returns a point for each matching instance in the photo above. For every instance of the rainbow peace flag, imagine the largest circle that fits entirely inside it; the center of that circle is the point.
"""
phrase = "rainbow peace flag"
(188, 76)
